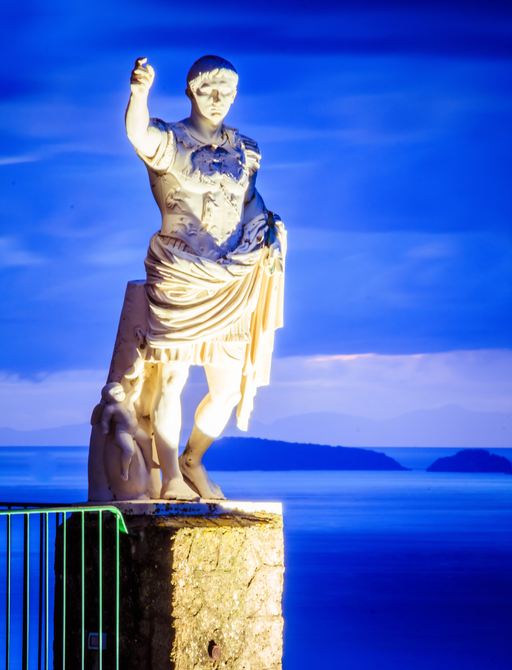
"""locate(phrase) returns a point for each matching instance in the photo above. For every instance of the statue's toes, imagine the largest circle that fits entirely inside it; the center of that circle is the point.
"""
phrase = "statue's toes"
(177, 489)
(216, 492)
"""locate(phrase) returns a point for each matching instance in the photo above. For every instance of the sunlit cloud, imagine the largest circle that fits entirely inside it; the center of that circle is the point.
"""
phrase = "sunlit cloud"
(319, 398)
(383, 386)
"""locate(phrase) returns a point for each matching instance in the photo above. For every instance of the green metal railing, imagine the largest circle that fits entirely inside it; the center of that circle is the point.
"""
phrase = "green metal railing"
(67, 605)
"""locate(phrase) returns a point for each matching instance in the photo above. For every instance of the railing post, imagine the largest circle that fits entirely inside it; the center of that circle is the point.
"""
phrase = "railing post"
(8, 595)
(40, 594)
(76, 608)
(26, 593)
(100, 589)
(46, 589)
(82, 580)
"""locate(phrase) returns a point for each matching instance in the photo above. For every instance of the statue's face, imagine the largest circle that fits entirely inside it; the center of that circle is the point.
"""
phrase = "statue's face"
(214, 96)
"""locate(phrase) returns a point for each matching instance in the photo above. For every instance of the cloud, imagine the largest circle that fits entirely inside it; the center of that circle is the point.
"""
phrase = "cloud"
(385, 386)
(373, 159)
(289, 28)
(14, 254)
(368, 388)
(16, 160)
(396, 292)
(48, 400)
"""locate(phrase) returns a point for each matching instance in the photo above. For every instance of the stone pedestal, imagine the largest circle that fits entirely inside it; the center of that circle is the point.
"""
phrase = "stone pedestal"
(201, 588)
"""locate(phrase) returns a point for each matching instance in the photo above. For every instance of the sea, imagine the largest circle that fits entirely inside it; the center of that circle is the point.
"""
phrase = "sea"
(405, 570)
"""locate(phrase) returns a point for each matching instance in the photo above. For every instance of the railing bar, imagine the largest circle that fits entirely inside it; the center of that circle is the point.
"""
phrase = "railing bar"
(83, 585)
(100, 588)
(8, 597)
(46, 590)
(57, 521)
(64, 586)
(26, 593)
(71, 509)
(40, 598)
(117, 592)
(60, 514)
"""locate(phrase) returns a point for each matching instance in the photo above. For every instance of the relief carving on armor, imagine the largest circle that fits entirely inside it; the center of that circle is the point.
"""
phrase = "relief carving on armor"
(175, 201)
(209, 161)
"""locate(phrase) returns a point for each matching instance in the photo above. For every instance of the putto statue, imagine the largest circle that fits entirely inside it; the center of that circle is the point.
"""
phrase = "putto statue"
(213, 294)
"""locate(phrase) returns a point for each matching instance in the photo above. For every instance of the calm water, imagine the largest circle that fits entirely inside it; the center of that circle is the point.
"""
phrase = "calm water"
(384, 570)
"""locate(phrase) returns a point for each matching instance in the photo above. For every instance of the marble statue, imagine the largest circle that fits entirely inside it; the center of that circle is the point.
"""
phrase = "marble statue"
(213, 294)
(117, 417)
(118, 446)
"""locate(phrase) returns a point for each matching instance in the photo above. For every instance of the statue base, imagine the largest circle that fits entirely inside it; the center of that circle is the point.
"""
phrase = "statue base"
(201, 587)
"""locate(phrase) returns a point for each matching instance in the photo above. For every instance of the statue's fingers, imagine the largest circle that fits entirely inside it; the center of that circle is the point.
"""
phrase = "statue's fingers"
(140, 72)
(140, 79)
(151, 70)
(140, 61)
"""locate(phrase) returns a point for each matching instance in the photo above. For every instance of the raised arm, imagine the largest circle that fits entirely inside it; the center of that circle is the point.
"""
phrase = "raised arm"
(145, 138)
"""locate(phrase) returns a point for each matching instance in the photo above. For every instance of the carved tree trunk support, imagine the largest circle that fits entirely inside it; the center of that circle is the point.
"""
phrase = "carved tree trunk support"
(134, 315)
(201, 588)
(102, 487)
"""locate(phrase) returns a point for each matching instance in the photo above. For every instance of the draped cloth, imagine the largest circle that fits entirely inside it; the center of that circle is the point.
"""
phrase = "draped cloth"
(198, 305)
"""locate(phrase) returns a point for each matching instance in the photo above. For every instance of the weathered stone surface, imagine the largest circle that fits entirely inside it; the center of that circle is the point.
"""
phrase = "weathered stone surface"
(224, 594)
(196, 586)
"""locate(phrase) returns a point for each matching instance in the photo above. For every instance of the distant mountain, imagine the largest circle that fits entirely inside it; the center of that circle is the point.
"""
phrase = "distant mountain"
(62, 436)
(447, 426)
(76, 435)
(472, 460)
(249, 453)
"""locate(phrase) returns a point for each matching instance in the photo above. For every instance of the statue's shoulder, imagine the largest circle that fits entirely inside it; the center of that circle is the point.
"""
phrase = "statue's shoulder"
(237, 138)
(163, 126)
(176, 130)
(250, 144)
(179, 132)
(249, 147)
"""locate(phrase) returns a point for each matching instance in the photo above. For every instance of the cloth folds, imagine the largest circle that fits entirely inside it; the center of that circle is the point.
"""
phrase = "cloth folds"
(198, 306)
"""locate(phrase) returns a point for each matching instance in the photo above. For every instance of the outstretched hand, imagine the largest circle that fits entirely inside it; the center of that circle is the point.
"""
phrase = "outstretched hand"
(142, 77)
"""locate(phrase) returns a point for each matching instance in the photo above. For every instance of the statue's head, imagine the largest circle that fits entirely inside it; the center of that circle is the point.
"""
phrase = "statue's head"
(211, 87)
(113, 392)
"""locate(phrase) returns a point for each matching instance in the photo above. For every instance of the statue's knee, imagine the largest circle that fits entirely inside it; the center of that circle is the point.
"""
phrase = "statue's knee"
(174, 380)
(231, 399)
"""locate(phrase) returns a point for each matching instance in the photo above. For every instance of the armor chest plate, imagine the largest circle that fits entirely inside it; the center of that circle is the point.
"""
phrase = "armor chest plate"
(202, 193)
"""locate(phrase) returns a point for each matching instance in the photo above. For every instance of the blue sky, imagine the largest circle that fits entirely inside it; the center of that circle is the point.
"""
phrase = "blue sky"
(386, 137)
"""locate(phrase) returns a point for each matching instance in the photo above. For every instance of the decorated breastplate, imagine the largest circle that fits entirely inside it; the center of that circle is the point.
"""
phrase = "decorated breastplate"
(205, 190)
(210, 161)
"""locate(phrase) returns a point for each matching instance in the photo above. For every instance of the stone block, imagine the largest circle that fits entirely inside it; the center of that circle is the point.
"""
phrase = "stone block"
(201, 588)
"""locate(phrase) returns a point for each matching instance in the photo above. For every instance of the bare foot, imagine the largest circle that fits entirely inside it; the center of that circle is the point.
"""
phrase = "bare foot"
(177, 489)
(196, 476)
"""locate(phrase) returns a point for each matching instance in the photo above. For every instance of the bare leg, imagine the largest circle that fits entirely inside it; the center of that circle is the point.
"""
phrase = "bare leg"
(211, 418)
(125, 442)
(146, 446)
(167, 426)
(193, 469)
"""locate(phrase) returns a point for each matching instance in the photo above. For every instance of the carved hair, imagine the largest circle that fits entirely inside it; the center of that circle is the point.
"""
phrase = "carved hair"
(208, 67)
(106, 391)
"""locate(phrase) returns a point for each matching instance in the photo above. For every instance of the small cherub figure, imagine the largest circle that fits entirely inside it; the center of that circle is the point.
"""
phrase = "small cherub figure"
(116, 417)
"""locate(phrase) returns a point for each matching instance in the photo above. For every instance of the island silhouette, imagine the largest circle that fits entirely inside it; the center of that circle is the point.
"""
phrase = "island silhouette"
(472, 460)
(252, 453)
